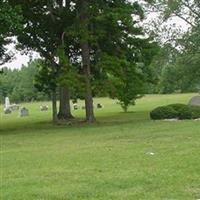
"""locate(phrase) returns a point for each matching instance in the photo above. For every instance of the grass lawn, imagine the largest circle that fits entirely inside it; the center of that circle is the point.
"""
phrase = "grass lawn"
(125, 156)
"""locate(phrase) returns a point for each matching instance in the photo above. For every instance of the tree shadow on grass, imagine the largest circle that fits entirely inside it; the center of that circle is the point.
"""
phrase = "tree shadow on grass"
(112, 119)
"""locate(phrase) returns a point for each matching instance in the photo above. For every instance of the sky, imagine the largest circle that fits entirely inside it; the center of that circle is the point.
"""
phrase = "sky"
(19, 60)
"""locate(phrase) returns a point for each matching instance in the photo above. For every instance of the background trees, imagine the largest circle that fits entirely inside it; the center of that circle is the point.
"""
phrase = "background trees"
(100, 47)
(19, 84)
(10, 21)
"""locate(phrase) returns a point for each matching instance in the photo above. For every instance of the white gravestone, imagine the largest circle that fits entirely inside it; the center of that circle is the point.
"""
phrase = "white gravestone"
(44, 108)
(7, 102)
(7, 109)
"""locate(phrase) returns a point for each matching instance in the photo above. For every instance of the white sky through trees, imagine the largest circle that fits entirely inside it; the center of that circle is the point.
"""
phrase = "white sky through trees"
(19, 59)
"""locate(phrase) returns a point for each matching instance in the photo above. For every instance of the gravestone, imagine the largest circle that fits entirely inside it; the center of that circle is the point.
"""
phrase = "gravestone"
(195, 101)
(44, 108)
(8, 108)
(75, 106)
(99, 106)
(7, 102)
(14, 107)
(24, 112)
(7, 111)
(74, 101)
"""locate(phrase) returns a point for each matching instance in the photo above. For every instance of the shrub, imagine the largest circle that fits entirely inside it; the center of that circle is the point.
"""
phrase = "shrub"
(195, 112)
(180, 111)
(185, 113)
(178, 106)
(164, 112)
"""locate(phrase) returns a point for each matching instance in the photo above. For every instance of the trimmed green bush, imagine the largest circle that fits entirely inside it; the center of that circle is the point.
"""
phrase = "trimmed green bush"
(172, 111)
(185, 113)
(195, 112)
(178, 106)
(163, 112)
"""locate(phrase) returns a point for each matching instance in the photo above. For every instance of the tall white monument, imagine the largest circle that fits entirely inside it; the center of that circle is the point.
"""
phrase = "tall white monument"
(8, 108)
(7, 103)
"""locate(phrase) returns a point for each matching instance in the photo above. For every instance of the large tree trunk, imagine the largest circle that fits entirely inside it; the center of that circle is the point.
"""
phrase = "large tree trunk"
(86, 63)
(64, 108)
(54, 107)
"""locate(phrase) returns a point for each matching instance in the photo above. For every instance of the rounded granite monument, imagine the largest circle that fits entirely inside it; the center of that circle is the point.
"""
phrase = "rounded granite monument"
(195, 101)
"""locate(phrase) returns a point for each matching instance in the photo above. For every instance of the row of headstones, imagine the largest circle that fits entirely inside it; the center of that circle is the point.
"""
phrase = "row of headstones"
(25, 112)
(22, 111)
(76, 107)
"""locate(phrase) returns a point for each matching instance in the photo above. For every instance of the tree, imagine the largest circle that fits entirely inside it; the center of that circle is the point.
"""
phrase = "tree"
(10, 21)
(122, 53)
(88, 32)
(85, 53)
(106, 32)
(18, 84)
(184, 66)
(45, 23)
(46, 81)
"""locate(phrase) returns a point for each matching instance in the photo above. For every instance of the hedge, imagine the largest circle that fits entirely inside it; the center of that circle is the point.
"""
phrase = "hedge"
(175, 111)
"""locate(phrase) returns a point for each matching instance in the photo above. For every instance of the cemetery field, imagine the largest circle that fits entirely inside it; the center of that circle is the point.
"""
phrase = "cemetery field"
(124, 156)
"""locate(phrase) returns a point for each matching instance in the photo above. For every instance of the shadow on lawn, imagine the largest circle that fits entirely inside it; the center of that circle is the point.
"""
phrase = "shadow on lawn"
(113, 119)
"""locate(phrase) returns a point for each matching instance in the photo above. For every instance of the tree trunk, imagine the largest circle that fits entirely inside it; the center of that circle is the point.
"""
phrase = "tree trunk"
(86, 63)
(64, 108)
(54, 107)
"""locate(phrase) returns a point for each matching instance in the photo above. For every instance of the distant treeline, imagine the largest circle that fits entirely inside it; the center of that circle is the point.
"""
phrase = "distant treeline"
(18, 84)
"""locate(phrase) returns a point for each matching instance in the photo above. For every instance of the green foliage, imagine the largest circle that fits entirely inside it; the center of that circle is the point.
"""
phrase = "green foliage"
(183, 61)
(163, 112)
(195, 112)
(19, 84)
(46, 78)
(169, 80)
(10, 23)
(185, 113)
(179, 111)
(68, 74)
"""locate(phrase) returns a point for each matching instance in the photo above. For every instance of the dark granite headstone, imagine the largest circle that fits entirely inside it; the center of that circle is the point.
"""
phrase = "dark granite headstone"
(99, 106)
(24, 112)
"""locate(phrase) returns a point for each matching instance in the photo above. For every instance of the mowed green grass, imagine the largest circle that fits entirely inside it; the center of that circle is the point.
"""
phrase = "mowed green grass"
(124, 156)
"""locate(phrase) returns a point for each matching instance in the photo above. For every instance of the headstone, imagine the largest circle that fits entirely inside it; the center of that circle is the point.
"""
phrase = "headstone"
(74, 101)
(195, 101)
(44, 108)
(75, 106)
(7, 111)
(7, 102)
(14, 107)
(171, 120)
(99, 106)
(8, 106)
(24, 112)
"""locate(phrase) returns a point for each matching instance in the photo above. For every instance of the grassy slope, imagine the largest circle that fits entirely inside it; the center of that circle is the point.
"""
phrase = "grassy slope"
(109, 160)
